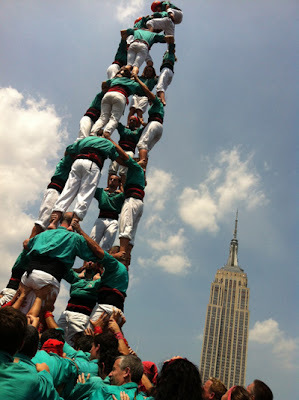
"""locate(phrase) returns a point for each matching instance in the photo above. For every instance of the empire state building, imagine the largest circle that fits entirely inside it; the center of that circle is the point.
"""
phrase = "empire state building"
(224, 349)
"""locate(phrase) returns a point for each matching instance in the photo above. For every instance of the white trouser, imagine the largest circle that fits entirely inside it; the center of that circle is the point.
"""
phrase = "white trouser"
(165, 24)
(130, 215)
(8, 294)
(104, 232)
(108, 309)
(150, 136)
(45, 210)
(36, 280)
(115, 167)
(112, 70)
(86, 124)
(137, 54)
(112, 108)
(164, 80)
(177, 15)
(82, 183)
(139, 103)
(72, 322)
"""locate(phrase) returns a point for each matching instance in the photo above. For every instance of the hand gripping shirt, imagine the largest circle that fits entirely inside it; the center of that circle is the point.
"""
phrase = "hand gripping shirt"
(63, 371)
(17, 381)
(105, 392)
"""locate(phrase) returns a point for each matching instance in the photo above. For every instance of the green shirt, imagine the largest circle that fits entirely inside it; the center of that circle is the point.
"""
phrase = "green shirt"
(105, 392)
(131, 86)
(17, 381)
(128, 138)
(149, 82)
(149, 37)
(135, 174)
(60, 244)
(102, 145)
(115, 275)
(109, 201)
(82, 391)
(85, 289)
(156, 107)
(97, 101)
(169, 57)
(82, 359)
(171, 5)
(121, 54)
(63, 371)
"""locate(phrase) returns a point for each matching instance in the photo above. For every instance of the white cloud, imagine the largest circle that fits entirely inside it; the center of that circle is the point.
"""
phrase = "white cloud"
(284, 348)
(158, 189)
(230, 183)
(32, 137)
(177, 264)
(128, 10)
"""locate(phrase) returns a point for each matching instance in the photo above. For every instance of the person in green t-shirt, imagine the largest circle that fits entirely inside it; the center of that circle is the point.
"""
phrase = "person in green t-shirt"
(167, 72)
(170, 16)
(139, 103)
(110, 201)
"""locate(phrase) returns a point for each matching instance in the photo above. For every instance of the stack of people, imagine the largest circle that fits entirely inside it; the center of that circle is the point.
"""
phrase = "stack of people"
(84, 355)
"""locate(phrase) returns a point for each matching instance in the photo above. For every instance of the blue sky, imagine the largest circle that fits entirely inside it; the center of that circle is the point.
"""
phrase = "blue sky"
(228, 142)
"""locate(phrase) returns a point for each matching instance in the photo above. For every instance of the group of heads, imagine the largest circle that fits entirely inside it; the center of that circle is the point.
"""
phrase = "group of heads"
(214, 389)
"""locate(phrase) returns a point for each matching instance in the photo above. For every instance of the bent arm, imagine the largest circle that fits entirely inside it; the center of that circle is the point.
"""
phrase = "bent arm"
(146, 90)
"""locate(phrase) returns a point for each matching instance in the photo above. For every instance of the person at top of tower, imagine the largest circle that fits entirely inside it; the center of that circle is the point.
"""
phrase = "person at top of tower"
(139, 103)
(118, 90)
(165, 22)
(139, 47)
(166, 70)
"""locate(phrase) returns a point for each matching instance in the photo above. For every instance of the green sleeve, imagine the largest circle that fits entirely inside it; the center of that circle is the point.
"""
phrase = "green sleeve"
(130, 31)
(84, 390)
(159, 38)
(71, 276)
(120, 128)
(46, 387)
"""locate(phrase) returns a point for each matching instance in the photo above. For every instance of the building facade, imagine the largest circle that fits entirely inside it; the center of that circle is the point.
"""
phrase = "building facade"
(224, 350)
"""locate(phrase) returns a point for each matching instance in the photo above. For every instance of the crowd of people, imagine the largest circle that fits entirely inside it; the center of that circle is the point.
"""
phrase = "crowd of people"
(84, 355)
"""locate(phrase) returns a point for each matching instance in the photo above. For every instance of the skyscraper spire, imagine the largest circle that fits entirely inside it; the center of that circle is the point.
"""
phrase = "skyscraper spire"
(233, 251)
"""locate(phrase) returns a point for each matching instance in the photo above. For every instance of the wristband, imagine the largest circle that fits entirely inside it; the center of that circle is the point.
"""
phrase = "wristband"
(48, 314)
(119, 336)
(98, 330)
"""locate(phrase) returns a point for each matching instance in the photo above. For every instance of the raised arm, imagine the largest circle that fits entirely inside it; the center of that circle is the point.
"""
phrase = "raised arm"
(146, 90)
(94, 247)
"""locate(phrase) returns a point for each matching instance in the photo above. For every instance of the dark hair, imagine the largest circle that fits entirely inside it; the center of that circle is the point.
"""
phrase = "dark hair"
(261, 391)
(12, 329)
(179, 379)
(30, 345)
(135, 365)
(83, 342)
(239, 393)
(108, 352)
(153, 69)
(52, 333)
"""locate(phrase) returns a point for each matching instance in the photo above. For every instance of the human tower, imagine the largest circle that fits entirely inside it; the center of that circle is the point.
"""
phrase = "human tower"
(57, 238)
